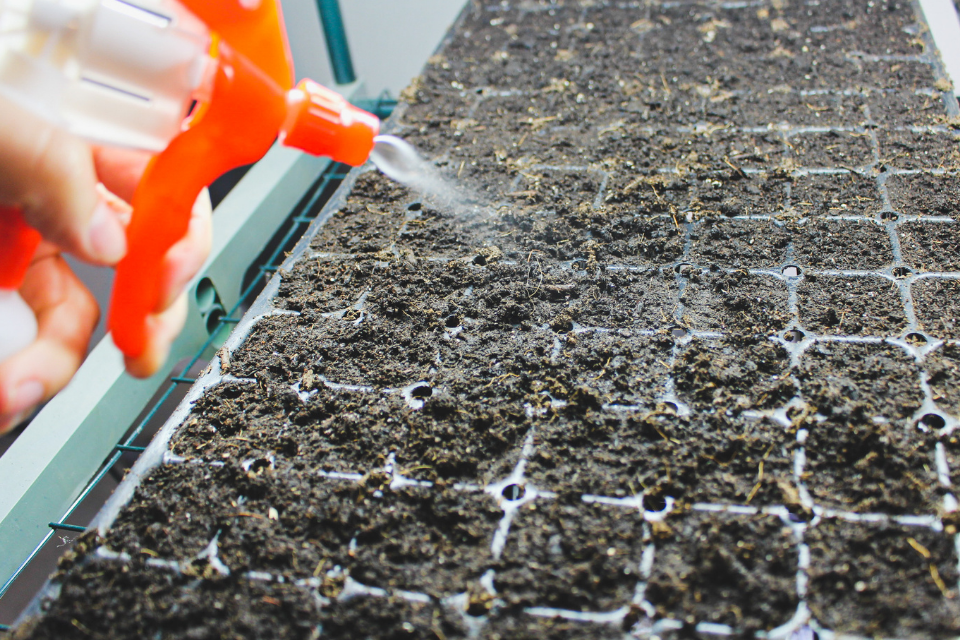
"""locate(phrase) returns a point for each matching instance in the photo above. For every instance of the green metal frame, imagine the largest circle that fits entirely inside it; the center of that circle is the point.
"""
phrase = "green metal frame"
(337, 46)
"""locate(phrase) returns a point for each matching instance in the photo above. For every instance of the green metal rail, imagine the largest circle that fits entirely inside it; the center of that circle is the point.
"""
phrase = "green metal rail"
(337, 46)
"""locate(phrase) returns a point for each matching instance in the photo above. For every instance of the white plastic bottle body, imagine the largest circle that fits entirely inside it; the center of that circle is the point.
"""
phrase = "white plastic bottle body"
(18, 326)
(116, 72)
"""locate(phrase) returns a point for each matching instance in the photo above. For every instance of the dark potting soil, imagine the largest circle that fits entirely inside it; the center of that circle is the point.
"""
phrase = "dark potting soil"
(925, 194)
(937, 306)
(930, 247)
(943, 371)
(733, 570)
(669, 326)
(868, 305)
(857, 572)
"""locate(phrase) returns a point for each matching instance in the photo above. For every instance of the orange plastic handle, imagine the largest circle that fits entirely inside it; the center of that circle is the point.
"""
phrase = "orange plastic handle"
(18, 243)
(238, 127)
(257, 34)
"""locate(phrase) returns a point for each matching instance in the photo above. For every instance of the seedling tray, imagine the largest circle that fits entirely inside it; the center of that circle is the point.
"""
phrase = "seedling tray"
(679, 358)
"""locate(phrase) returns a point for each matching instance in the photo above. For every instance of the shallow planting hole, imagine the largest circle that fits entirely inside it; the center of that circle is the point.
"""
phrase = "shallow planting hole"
(421, 391)
(452, 322)
(416, 206)
(671, 406)
(794, 335)
(932, 421)
(888, 215)
(916, 339)
(797, 514)
(513, 492)
(683, 268)
(654, 503)
(791, 271)
(900, 272)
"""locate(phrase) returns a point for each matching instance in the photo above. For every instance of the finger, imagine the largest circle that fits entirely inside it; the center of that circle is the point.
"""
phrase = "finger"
(66, 314)
(119, 206)
(50, 174)
(162, 330)
(120, 170)
(185, 258)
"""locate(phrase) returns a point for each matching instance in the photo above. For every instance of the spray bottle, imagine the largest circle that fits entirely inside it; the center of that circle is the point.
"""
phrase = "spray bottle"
(204, 84)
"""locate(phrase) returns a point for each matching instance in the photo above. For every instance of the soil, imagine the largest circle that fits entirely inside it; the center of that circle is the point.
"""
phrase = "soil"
(857, 572)
(738, 302)
(836, 305)
(648, 453)
(733, 570)
(919, 150)
(583, 557)
(842, 244)
(680, 248)
(837, 194)
(843, 379)
(929, 247)
(739, 244)
(943, 375)
(925, 194)
(832, 149)
(938, 307)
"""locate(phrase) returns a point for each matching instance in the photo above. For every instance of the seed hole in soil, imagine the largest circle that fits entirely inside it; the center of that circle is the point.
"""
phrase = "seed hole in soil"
(421, 391)
(678, 332)
(654, 503)
(513, 492)
(797, 513)
(416, 206)
(888, 215)
(916, 339)
(794, 335)
(900, 272)
(452, 322)
(256, 466)
(791, 271)
(684, 268)
(932, 421)
(671, 406)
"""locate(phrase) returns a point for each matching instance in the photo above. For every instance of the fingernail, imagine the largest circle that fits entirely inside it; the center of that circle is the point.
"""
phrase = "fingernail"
(107, 239)
(27, 395)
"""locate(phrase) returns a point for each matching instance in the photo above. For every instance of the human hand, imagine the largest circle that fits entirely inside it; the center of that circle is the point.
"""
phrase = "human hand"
(66, 190)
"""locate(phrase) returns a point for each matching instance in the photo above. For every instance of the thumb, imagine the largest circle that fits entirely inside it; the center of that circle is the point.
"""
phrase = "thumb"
(50, 175)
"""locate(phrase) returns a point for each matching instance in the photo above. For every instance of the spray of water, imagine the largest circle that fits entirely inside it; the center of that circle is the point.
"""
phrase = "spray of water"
(398, 160)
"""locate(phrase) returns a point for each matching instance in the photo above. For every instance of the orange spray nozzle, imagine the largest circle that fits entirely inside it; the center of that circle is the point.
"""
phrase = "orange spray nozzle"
(322, 122)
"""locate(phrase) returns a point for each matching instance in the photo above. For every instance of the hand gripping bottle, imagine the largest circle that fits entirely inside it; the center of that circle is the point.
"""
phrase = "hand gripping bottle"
(204, 84)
